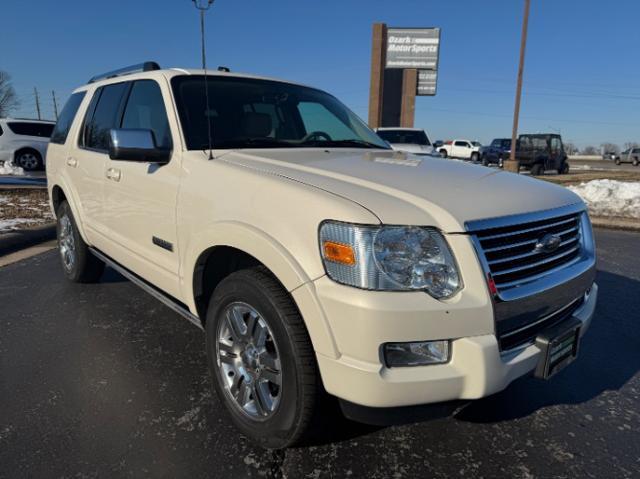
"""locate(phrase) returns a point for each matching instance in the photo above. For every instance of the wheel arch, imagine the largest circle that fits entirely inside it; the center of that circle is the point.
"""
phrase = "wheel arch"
(58, 192)
(228, 247)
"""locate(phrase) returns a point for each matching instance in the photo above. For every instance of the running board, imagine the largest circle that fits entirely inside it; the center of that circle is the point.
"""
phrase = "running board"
(152, 290)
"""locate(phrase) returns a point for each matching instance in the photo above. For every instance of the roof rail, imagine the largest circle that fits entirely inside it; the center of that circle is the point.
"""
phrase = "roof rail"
(140, 67)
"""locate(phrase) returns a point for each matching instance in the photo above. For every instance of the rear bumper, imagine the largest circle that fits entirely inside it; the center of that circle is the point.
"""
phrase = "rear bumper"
(477, 369)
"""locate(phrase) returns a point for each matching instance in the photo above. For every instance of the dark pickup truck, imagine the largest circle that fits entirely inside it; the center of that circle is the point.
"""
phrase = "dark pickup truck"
(497, 152)
(542, 152)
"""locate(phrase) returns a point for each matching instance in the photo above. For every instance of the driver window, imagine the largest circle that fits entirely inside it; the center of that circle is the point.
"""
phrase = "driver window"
(317, 118)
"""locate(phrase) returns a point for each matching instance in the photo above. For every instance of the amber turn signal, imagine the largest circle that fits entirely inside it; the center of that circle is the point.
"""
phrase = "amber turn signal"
(339, 253)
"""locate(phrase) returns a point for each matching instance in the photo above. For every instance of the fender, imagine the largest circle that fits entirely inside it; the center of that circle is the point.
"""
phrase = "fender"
(74, 204)
(275, 257)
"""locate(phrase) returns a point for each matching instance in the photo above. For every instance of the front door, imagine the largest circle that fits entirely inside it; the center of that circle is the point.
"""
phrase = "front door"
(140, 198)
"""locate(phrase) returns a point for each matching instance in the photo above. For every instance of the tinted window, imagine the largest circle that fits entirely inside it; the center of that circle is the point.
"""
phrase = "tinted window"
(66, 117)
(105, 116)
(506, 143)
(410, 137)
(145, 110)
(636, 150)
(252, 113)
(31, 129)
(496, 143)
(461, 143)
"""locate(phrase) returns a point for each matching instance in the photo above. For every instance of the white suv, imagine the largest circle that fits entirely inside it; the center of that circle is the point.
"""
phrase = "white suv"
(316, 259)
(24, 142)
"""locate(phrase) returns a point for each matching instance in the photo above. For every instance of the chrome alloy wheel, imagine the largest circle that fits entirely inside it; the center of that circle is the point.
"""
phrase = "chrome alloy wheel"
(67, 243)
(248, 361)
(28, 161)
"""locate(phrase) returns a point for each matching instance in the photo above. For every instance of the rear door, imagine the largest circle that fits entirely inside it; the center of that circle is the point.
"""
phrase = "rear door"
(140, 198)
(461, 149)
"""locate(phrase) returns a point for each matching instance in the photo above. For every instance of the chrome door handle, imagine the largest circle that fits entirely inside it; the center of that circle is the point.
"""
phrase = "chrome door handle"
(72, 162)
(114, 174)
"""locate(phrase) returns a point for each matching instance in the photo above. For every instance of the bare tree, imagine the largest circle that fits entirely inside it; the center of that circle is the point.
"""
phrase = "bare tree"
(589, 150)
(570, 148)
(610, 148)
(631, 144)
(8, 99)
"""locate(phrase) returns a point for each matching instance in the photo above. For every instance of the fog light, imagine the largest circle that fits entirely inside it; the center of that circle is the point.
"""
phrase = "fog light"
(416, 354)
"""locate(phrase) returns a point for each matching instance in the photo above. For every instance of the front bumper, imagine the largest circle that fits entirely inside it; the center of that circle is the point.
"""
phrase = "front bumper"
(477, 367)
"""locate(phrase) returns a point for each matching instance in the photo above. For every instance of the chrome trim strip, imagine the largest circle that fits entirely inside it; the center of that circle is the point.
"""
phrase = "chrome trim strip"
(152, 290)
(528, 230)
(533, 265)
(532, 253)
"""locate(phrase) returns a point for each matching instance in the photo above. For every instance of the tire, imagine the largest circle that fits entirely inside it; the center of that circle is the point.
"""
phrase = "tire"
(485, 161)
(537, 170)
(564, 168)
(28, 159)
(617, 161)
(474, 157)
(443, 153)
(78, 264)
(500, 162)
(278, 351)
(635, 162)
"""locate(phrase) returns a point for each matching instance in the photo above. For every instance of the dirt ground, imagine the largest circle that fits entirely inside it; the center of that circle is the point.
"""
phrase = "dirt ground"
(22, 208)
(582, 176)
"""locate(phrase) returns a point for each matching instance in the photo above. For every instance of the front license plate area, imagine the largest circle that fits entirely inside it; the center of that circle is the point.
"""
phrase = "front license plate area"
(559, 347)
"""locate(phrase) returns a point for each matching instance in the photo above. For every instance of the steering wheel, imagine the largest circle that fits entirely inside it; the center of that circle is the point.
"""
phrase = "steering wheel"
(316, 135)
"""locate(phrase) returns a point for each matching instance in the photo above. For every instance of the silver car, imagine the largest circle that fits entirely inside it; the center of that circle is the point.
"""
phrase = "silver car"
(630, 155)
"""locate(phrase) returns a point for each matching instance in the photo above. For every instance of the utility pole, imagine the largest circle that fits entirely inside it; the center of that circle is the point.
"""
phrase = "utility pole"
(513, 164)
(55, 104)
(35, 92)
(203, 6)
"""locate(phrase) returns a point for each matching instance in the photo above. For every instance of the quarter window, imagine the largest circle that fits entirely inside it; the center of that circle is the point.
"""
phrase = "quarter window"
(145, 110)
(66, 117)
(104, 116)
(31, 129)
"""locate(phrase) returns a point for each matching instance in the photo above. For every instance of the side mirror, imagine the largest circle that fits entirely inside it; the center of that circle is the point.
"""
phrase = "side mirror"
(136, 145)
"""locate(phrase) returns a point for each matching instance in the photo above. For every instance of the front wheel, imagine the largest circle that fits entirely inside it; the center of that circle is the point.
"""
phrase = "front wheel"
(564, 168)
(617, 161)
(636, 162)
(78, 263)
(261, 359)
(474, 157)
(443, 153)
(537, 169)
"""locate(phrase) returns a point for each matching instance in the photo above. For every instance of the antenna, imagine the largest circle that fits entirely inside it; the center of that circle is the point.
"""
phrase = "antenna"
(55, 104)
(203, 6)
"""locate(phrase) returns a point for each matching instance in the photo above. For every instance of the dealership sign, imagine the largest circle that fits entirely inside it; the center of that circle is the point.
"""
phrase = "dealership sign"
(427, 81)
(413, 48)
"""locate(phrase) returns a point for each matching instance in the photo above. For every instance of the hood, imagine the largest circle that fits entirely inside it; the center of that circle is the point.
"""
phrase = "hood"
(401, 188)
(412, 148)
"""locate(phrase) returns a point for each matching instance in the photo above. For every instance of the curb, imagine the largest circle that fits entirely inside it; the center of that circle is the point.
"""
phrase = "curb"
(624, 224)
(17, 240)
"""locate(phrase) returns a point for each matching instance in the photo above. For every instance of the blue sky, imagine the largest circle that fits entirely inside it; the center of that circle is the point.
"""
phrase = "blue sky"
(582, 76)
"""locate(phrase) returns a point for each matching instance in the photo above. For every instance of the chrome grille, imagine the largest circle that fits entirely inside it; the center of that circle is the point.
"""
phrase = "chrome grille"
(515, 254)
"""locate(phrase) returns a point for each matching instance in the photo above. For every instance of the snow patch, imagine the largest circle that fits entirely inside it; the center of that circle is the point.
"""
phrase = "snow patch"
(8, 225)
(11, 169)
(610, 197)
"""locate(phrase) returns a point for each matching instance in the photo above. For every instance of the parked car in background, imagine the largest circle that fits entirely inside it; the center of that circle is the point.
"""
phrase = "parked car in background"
(437, 144)
(541, 152)
(630, 155)
(609, 155)
(411, 140)
(464, 149)
(497, 152)
(24, 142)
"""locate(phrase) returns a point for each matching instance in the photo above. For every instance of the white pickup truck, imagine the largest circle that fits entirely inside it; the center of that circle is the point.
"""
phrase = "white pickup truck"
(465, 149)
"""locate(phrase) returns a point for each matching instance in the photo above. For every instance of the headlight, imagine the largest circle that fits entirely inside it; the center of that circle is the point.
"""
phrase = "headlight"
(392, 258)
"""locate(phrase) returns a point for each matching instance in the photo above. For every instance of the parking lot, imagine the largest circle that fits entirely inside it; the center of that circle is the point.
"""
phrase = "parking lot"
(103, 381)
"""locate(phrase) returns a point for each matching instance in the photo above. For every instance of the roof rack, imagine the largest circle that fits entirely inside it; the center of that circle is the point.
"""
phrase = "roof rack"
(140, 67)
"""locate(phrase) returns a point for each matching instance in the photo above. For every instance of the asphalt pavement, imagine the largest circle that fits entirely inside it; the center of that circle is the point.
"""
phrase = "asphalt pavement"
(103, 381)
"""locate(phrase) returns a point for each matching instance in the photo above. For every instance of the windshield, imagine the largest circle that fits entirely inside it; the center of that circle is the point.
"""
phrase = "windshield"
(252, 113)
(476, 143)
(411, 137)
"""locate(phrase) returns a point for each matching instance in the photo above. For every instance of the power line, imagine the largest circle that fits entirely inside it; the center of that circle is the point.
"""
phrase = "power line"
(35, 92)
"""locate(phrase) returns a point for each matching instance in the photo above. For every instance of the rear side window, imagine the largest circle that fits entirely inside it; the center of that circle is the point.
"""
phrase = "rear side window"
(66, 117)
(461, 143)
(145, 110)
(31, 129)
(102, 115)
